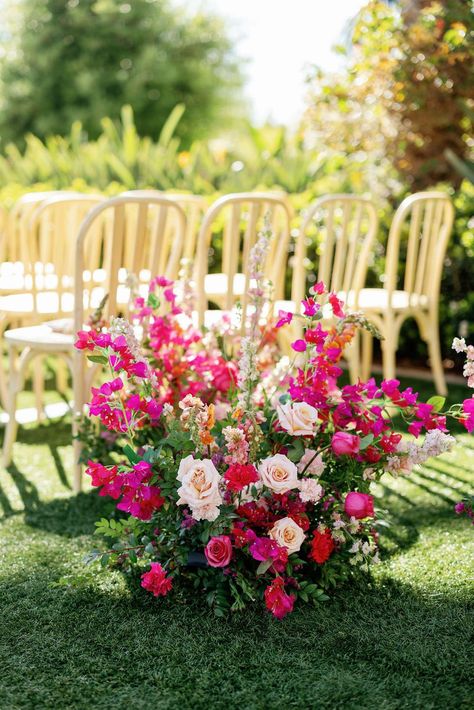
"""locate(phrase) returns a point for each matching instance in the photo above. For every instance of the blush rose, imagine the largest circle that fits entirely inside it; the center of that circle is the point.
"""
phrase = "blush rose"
(278, 473)
(298, 418)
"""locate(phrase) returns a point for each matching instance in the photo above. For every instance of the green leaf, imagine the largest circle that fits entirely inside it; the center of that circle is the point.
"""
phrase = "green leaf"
(366, 441)
(264, 566)
(132, 456)
(437, 402)
(98, 358)
(150, 548)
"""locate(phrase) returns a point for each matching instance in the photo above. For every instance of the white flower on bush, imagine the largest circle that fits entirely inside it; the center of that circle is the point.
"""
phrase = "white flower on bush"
(298, 418)
(199, 487)
(311, 463)
(310, 490)
(288, 534)
(278, 473)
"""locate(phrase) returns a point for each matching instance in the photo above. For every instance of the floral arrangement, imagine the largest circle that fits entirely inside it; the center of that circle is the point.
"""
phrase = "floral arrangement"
(239, 474)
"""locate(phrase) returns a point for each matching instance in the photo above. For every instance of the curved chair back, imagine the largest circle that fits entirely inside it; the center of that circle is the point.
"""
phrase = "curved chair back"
(236, 220)
(50, 238)
(16, 227)
(103, 255)
(194, 207)
(421, 228)
(344, 227)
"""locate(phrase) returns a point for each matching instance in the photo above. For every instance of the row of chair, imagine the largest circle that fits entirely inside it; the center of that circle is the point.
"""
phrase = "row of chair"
(149, 233)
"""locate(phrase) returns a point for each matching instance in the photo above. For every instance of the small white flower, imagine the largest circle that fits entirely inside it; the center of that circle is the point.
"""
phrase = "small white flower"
(459, 345)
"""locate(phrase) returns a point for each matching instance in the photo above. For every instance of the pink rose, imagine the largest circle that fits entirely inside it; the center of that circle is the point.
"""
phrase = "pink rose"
(359, 505)
(218, 551)
(344, 444)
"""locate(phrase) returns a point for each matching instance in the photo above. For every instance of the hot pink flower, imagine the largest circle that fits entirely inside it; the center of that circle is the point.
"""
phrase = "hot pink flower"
(299, 346)
(284, 317)
(336, 305)
(468, 409)
(218, 551)
(344, 444)
(277, 600)
(156, 581)
(359, 505)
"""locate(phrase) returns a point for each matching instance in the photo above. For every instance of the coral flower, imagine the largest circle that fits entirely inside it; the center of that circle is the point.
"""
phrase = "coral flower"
(156, 581)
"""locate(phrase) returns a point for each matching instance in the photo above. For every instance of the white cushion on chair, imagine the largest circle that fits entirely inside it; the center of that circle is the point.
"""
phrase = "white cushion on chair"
(46, 303)
(43, 337)
(376, 299)
(217, 284)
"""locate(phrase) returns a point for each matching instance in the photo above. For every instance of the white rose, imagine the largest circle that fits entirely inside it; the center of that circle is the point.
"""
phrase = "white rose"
(311, 464)
(310, 490)
(199, 487)
(278, 473)
(298, 418)
(288, 534)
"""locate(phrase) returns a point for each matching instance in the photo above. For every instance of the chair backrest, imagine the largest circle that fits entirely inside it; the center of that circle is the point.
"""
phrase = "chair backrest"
(418, 240)
(50, 239)
(236, 220)
(344, 228)
(194, 207)
(103, 257)
(14, 249)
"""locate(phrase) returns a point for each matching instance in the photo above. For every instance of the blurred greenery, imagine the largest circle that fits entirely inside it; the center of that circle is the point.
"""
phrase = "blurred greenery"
(83, 59)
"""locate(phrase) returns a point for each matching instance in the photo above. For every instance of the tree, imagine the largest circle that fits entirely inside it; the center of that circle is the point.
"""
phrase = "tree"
(70, 60)
(408, 90)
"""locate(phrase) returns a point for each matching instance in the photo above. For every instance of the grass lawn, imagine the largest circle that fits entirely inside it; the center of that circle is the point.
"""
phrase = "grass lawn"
(74, 638)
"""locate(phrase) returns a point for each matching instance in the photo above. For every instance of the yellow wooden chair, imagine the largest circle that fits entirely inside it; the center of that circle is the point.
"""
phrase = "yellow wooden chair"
(344, 228)
(236, 219)
(194, 207)
(90, 267)
(38, 222)
(417, 241)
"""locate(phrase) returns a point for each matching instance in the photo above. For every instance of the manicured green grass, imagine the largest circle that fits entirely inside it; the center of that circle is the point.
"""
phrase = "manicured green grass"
(72, 637)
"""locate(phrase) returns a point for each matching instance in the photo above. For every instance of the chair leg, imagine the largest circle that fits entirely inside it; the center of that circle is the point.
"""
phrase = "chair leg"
(367, 354)
(389, 350)
(78, 377)
(352, 355)
(434, 352)
(38, 388)
(16, 379)
(11, 428)
(61, 377)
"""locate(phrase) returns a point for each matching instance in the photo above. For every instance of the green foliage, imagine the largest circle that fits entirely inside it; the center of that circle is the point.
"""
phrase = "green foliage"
(83, 59)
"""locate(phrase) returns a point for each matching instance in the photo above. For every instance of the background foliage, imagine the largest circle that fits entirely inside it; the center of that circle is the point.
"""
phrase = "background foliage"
(71, 60)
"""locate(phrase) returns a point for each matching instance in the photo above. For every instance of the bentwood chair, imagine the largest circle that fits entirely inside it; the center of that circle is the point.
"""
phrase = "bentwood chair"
(194, 207)
(91, 268)
(40, 227)
(235, 221)
(416, 249)
(14, 276)
(342, 228)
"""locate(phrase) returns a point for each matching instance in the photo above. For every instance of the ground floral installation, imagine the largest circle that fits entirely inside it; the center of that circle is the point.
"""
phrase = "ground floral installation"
(239, 474)
(466, 505)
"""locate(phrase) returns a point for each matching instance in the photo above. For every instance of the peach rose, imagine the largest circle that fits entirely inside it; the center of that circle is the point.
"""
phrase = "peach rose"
(288, 534)
(199, 487)
(298, 418)
(278, 473)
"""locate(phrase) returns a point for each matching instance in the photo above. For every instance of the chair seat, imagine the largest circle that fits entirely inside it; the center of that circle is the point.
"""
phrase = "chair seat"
(377, 299)
(44, 337)
(217, 284)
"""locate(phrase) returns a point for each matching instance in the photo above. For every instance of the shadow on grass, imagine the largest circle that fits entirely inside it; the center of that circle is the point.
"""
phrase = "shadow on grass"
(71, 516)
(368, 640)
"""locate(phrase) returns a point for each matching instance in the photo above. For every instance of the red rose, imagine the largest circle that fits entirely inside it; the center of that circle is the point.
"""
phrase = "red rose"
(156, 581)
(277, 600)
(322, 546)
(238, 476)
(218, 551)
